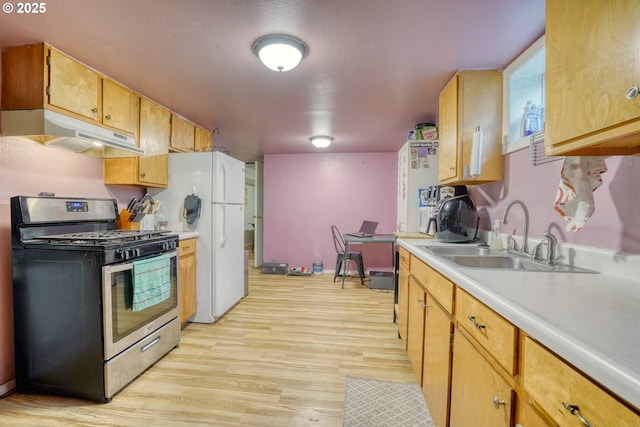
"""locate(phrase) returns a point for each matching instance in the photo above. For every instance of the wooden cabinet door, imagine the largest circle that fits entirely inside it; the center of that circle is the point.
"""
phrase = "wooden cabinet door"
(182, 134)
(155, 128)
(119, 107)
(73, 86)
(480, 397)
(188, 302)
(154, 134)
(472, 98)
(529, 417)
(592, 61)
(403, 304)
(415, 332)
(203, 140)
(448, 105)
(436, 368)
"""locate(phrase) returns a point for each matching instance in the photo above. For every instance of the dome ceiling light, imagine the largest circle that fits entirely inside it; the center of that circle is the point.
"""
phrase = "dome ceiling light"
(280, 52)
(321, 141)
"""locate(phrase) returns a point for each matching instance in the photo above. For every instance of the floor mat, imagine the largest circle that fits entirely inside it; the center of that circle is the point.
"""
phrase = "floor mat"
(375, 403)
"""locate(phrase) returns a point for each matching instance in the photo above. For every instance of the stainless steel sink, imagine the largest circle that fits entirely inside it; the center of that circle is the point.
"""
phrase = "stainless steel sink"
(508, 262)
(512, 262)
(460, 250)
(482, 257)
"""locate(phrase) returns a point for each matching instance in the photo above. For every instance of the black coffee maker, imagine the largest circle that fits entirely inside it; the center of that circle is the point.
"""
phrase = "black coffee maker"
(456, 218)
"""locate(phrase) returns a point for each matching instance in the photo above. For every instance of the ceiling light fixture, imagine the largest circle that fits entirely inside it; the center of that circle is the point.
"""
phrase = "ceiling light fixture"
(321, 141)
(280, 52)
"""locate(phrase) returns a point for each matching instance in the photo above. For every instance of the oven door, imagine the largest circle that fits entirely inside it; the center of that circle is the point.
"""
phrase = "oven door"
(123, 326)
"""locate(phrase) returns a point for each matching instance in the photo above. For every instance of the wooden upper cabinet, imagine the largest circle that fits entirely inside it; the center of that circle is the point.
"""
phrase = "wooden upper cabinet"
(203, 140)
(119, 106)
(592, 76)
(471, 98)
(155, 128)
(182, 134)
(152, 169)
(72, 86)
(40, 76)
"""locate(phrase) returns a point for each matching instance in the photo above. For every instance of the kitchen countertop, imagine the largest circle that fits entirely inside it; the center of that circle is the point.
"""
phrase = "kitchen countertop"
(182, 235)
(591, 320)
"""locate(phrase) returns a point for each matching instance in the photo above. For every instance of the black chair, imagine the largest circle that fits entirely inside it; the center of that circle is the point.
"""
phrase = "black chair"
(341, 260)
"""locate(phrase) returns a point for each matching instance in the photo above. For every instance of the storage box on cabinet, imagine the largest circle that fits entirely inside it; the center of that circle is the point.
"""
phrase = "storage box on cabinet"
(552, 382)
(493, 332)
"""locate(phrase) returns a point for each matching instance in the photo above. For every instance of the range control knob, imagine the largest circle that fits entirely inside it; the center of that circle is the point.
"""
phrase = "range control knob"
(121, 254)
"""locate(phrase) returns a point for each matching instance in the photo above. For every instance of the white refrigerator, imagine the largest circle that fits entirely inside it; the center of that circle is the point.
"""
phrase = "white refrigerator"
(417, 171)
(218, 180)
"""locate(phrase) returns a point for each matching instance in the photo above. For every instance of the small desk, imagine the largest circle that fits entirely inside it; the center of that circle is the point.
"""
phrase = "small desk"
(376, 238)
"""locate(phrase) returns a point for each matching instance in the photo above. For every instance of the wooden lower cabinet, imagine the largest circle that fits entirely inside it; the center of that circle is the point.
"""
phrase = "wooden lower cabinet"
(553, 383)
(527, 416)
(188, 302)
(480, 397)
(415, 332)
(436, 365)
(403, 300)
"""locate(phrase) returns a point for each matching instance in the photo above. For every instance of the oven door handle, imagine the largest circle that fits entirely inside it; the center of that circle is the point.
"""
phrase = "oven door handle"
(117, 268)
(146, 347)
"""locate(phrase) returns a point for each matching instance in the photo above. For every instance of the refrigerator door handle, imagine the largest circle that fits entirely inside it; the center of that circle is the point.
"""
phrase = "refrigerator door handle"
(222, 232)
(224, 182)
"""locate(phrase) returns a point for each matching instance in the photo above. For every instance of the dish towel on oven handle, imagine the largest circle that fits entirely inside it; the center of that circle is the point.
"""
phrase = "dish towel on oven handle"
(579, 178)
(151, 281)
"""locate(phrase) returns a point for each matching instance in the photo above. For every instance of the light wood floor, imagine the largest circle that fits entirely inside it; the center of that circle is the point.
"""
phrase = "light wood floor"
(278, 358)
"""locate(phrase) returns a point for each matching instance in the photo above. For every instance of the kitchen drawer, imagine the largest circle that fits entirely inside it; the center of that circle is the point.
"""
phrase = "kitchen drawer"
(405, 258)
(550, 381)
(493, 332)
(187, 246)
(439, 287)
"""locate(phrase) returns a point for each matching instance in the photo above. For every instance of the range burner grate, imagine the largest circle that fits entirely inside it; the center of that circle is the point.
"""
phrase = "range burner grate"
(97, 237)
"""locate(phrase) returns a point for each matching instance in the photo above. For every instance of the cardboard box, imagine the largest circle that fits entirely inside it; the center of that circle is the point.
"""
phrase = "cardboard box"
(381, 280)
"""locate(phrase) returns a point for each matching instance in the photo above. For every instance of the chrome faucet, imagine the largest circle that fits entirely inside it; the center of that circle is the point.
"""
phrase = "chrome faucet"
(552, 242)
(526, 221)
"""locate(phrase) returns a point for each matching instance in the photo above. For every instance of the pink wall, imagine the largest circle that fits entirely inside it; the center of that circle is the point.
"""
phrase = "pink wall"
(614, 225)
(27, 169)
(304, 194)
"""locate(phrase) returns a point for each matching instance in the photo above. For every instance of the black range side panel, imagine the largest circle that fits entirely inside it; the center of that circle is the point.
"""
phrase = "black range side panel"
(58, 323)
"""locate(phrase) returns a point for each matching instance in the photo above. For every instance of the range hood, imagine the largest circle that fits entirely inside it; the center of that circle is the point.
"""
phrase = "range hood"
(57, 130)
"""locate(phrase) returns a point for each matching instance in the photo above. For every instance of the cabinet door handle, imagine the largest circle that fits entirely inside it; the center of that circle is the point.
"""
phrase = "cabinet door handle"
(94, 110)
(574, 410)
(497, 402)
(108, 117)
(475, 322)
(425, 306)
(632, 92)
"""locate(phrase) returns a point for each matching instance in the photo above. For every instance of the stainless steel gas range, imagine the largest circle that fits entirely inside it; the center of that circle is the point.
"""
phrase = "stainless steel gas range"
(93, 306)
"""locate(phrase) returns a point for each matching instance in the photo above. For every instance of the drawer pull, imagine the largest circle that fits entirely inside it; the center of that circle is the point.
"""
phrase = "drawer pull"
(576, 411)
(497, 402)
(475, 322)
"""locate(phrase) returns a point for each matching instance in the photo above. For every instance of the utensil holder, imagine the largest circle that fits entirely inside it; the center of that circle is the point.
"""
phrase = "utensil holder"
(123, 222)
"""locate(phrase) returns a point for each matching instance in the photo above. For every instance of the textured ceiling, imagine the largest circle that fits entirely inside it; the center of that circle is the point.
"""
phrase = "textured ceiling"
(374, 69)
